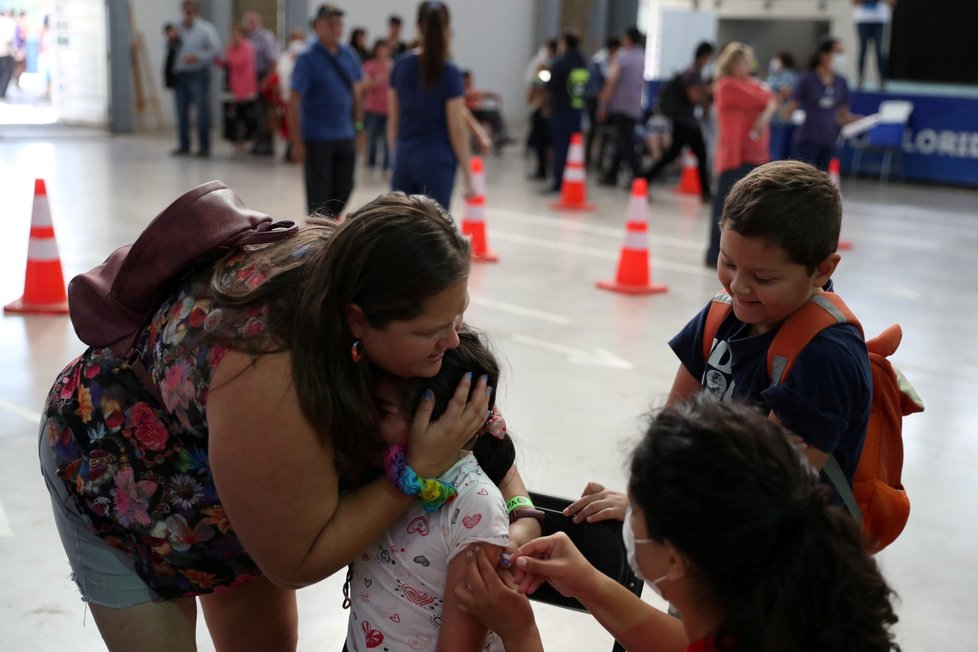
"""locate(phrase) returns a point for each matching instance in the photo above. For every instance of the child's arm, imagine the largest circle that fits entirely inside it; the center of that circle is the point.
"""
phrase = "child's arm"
(522, 530)
(683, 387)
(816, 457)
(459, 631)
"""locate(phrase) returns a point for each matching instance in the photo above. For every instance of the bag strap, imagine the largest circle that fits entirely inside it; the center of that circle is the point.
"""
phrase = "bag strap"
(838, 479)
(822, 311)
(720, 307)
(334, 61)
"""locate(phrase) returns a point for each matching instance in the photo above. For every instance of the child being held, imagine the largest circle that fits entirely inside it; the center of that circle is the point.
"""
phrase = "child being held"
(398, 585)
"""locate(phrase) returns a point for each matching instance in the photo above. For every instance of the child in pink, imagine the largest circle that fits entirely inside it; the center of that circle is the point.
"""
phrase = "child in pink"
(376, 72)
(239, 110)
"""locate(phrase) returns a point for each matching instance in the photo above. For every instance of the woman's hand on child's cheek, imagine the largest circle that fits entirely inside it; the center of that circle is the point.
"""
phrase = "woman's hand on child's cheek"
(489, 598)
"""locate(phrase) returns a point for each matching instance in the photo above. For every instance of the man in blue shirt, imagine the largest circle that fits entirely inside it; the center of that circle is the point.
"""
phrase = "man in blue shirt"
(325, 113)
(199, 44)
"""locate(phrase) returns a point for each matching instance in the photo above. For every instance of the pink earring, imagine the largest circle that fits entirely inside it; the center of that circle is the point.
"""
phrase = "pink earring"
(355, 352)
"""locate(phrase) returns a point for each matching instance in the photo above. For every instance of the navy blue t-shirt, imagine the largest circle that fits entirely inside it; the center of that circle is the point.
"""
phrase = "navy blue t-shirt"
(820, 103)
(566, 93)
(825, 398)
(327, 98)
(422, 124)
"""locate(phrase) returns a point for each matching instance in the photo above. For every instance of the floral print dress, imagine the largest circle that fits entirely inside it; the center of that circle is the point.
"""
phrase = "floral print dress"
(138, 470)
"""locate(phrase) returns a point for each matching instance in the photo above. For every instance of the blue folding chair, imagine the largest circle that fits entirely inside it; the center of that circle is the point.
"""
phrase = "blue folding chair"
(600, 543)
(886, 136)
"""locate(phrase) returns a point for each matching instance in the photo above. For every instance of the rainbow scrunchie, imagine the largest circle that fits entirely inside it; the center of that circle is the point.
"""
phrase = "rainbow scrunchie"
(433, 493)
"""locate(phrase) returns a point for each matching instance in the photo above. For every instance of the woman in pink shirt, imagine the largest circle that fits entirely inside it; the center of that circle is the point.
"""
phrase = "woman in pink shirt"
(376, 72)
(743, 107)
(239, 111)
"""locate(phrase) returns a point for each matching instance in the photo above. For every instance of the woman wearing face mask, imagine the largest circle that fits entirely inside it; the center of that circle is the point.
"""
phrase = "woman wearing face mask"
(823, 94)
(728, 523)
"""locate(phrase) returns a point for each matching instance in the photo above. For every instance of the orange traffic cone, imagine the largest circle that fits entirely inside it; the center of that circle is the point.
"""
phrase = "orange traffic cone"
(689, 182)
(836, 177)
(633, 266)
(573, 188)
(474, 218)
(44, 283)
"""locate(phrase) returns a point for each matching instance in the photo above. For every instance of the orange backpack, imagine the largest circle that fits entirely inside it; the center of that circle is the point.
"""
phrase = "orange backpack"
(877, 498)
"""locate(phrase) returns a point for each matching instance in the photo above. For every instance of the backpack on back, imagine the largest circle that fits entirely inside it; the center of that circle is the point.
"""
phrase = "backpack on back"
(110, 304)
(877, 498)
(672, 96)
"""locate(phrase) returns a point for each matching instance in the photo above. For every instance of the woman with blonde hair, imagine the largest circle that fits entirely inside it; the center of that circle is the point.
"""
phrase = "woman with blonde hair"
(743, 107)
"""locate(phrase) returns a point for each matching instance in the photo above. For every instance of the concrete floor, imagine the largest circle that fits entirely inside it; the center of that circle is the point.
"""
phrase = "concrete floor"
(581, 364)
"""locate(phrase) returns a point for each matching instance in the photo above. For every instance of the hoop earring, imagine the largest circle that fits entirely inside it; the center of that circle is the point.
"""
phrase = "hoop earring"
(356, 352)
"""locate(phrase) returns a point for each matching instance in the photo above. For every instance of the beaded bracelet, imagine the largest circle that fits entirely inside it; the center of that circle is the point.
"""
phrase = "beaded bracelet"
(432, 492)
(518, 501)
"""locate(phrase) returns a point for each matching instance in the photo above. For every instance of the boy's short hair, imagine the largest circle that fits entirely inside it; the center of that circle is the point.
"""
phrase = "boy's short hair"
(790, 204)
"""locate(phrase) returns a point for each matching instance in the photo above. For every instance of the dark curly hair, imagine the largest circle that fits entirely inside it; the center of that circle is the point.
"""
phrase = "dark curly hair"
(788, 570)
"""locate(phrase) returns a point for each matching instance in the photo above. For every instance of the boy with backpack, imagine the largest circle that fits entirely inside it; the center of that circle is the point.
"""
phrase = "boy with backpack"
(780, 339)
(779, 233)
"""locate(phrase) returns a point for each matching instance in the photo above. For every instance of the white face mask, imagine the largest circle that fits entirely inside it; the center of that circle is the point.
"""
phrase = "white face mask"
(839, 63)
(708, 71)
(774, 66)
(628, 537)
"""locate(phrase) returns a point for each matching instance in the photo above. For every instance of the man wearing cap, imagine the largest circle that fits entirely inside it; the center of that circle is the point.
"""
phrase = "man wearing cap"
(325, 113)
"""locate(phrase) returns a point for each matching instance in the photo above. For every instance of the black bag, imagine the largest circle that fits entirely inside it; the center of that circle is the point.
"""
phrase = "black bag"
(672, 96)
(110, 304)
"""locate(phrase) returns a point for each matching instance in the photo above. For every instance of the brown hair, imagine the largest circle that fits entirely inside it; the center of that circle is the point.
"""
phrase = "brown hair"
(389, 257)
(787, 570)
(433, 25)
(791, 205)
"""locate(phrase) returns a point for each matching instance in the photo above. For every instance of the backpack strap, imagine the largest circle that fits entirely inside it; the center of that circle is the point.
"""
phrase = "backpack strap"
(720, 307)
(822, 311)
(837, 477)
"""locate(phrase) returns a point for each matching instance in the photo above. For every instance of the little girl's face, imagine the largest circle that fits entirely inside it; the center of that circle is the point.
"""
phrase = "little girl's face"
(392, 423)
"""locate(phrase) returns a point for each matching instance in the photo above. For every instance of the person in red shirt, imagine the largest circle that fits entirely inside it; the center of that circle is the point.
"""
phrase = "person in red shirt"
(240, 122)
(376, 74)
(743, 107)
(728, 523)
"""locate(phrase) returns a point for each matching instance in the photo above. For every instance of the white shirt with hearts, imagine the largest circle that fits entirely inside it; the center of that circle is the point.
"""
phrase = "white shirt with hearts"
(398, 585)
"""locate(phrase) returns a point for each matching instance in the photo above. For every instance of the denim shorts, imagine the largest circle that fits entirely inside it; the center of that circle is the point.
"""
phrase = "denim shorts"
(105, 576)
